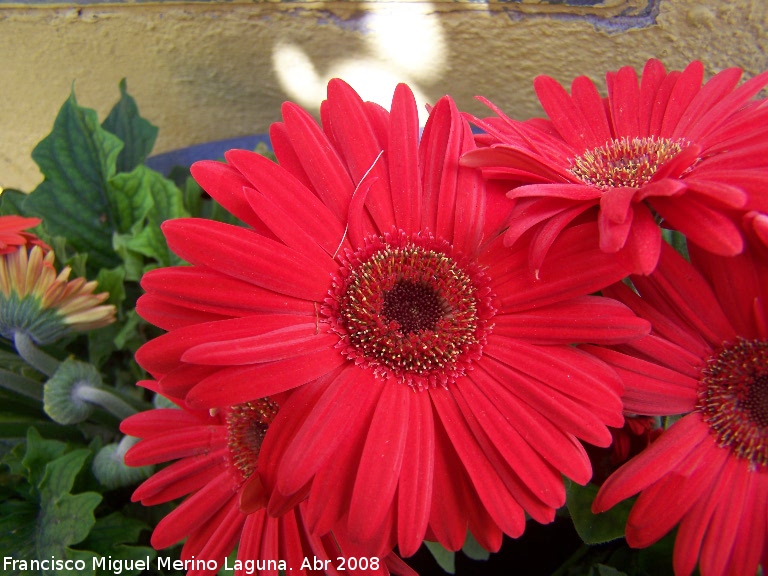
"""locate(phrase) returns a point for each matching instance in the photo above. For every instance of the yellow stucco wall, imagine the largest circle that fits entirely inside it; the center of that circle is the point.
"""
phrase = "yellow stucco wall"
(206, 71)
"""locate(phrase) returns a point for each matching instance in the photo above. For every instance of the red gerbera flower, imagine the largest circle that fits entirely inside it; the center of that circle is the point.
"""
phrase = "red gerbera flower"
(12, 234)
(665, 149)
(214, 454)
(436, 387)
(706, 358)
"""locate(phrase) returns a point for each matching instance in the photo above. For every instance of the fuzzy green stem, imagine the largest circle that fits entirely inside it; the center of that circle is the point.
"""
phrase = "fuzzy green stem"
(125, 444)
(104, 398)
(21, 385)
(32, 355)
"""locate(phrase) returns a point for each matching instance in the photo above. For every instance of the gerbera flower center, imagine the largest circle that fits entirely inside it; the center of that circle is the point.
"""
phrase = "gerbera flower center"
(247, 425)
(408, 309)
(733, 396)
(625, 162)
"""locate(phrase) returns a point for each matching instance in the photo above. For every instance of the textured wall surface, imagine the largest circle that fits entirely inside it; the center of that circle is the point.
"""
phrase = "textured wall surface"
(205, 71)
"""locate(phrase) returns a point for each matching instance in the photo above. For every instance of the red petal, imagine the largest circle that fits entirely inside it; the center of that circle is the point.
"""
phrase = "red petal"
(416, 476)
(734, 503)
(495, 497)
(566, 117)
(520, 159)
(615, 203)
(649, 388)
(359, 147)
(720, 85)
(588, 386)
(671, 448)
(208, 291)
(176, 444)
(247, 256)
(180, 478)
(726, 106)
(572, 191)
(238, 384)
(320, 161)
(290, 230)
(283, 343)
(171, 316)
(643, 244)
(450, 492)
(664, 503)
(163, 354)
(159, 421)
(575, 266)
(193, 512)
(495, 429)
(379, 466)
(439, 153)
(225, 184)
(702, 225)
(403, 161)
(326, 426)
(557, 447)
(586, 97)
(624, 96)
(652, 78)
(684, 91)
(583, 319)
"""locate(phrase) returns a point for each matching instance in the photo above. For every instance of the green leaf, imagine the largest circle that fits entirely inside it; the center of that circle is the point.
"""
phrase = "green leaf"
(444, 558)
(113, 535)
(130, 198)
(167, 203)
(472, 549)
(137, 134)
(77, 160)
(129, 336)
(595, 528)
(39, 452)
(64, 518)
(11, 202)
(44, 519)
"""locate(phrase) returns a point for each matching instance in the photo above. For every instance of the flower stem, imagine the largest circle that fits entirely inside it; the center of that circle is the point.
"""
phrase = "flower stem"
(32, 355)
(125, 444)
(105, 399)
(21, 385)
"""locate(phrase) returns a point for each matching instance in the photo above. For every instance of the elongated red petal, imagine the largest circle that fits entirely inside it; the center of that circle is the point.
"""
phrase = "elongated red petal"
(247, 256)
(584, 319)
(405, 182)
(671, 448)
(240, 384)
(380, 464)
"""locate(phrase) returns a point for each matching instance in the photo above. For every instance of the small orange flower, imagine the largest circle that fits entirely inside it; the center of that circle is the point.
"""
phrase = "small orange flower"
(44, 304)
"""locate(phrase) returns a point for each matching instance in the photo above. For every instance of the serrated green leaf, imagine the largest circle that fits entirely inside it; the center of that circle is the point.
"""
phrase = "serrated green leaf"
(444, 558)
(129, 338)
(65, 519)
(595, 528)
(45, 519)
(112, 281)
(39, 452)
(77, 160)
(133, 262)
(130, 198)
(11, 202)
(137, 134)
(113, 535)
(167, 203)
